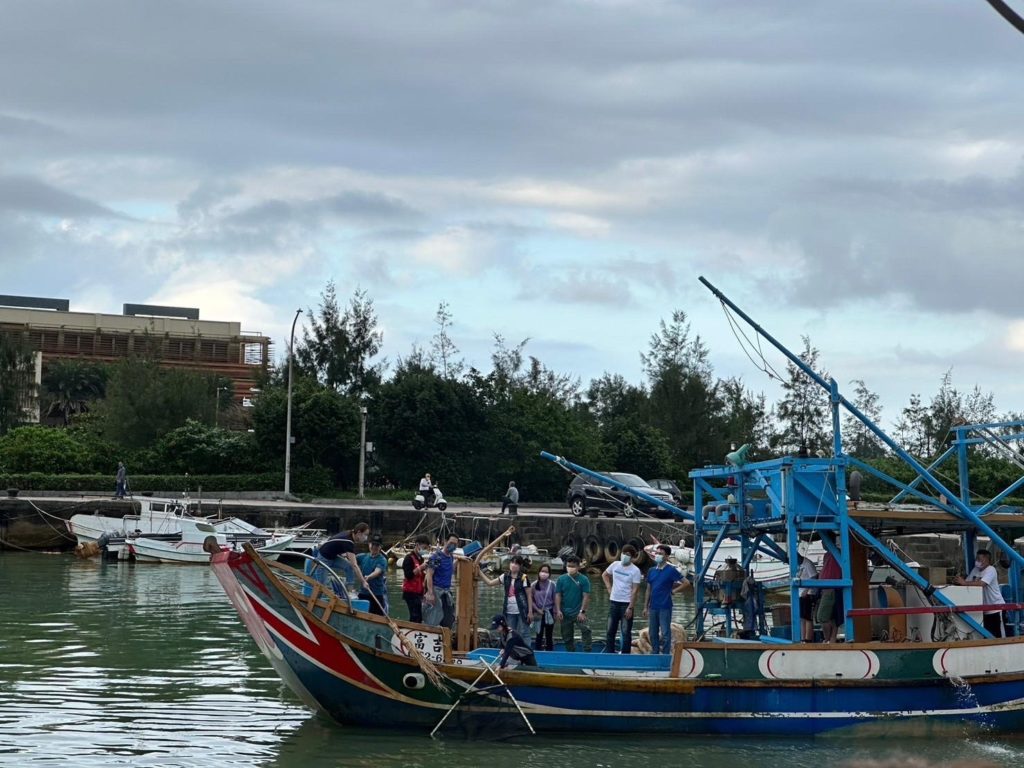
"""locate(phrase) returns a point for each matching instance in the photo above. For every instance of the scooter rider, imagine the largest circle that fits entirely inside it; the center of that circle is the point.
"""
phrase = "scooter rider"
(427, 489)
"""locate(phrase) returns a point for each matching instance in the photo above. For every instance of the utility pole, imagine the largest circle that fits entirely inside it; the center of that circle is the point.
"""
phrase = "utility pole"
(288, 418)
(362, 450)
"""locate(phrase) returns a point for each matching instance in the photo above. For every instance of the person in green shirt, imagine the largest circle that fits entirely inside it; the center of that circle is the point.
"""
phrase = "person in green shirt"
(572, 595)
(374, 567)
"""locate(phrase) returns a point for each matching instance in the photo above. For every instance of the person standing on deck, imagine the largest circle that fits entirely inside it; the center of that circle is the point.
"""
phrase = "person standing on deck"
(374, 567)
(518, 600)
(663, 581)
(830, 604)
(543, 610)
(572, 596)
(414, 566)
(983, 574)
(808, 595)
(438, 600)
(622, 579)
(513, 645)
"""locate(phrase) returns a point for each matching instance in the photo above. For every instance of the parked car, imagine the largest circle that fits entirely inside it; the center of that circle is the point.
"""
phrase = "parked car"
(585, 496)
(669, 486)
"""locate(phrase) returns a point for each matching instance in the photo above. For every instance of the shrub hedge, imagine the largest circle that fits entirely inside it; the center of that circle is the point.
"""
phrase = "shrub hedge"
(40, 481)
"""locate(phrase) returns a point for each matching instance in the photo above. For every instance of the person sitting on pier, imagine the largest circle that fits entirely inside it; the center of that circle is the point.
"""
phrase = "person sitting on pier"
(572, 594)
(438, 599)
(510, 500)
(374, 567)
(983, 574)
(513, 645)
(518, 597)
(622, 580)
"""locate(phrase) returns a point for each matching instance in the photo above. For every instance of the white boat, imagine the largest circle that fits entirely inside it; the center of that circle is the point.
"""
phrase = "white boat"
(192, 546)
(163, 521)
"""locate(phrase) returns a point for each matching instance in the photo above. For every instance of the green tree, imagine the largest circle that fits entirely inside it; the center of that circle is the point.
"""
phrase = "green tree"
(339, 347)
(858, 440)
(70, 387)
(638, 448)
(611, 397)
(444, 355)
(913, 430)
(42, 449)
(201, 449)
(804, 410)
(745, 417)
(145, 401)
(17, 379)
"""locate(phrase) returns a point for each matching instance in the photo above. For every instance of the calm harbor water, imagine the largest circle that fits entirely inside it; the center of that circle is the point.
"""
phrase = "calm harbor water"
(112, 664)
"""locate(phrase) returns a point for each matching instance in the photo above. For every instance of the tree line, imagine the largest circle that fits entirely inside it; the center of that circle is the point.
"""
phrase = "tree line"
(431, 411)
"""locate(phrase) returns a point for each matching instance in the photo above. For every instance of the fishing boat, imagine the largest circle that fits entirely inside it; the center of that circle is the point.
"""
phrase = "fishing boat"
(955, 677)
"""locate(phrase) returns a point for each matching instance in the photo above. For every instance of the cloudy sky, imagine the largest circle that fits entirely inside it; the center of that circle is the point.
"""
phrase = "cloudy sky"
(558, 170)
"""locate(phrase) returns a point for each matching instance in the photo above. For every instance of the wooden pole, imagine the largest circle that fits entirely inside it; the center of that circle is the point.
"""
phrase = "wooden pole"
(861, 590)
(466, 610)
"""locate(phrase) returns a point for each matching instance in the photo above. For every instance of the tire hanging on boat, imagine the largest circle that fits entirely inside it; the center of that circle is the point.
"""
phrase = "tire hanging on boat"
(593, 551)
(611, 549)
(574, 543)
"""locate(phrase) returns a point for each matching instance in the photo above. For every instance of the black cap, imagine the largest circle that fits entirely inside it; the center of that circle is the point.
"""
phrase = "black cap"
(376, 540)
(498, 621)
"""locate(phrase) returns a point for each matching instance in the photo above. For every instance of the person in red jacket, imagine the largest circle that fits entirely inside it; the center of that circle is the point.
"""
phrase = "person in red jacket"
(413, 585)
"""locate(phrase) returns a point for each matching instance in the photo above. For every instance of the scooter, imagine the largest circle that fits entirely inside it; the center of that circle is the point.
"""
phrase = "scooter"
(419, 502)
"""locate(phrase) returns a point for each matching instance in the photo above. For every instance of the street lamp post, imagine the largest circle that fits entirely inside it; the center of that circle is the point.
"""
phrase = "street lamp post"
(362, 451)
(288, 418)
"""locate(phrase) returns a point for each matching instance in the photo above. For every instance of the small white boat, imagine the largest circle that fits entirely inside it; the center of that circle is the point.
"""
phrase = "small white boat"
(192, 547)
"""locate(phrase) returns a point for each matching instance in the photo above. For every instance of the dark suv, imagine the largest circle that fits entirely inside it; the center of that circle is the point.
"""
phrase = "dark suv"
(670, 487)
(587, 496)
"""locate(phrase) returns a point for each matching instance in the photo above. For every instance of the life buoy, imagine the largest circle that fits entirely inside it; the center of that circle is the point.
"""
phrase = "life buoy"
(593, 552)
(611, 550)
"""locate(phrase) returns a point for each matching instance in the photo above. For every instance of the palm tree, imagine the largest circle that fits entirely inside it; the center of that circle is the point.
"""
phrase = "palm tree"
(17, 379)
(70, 386)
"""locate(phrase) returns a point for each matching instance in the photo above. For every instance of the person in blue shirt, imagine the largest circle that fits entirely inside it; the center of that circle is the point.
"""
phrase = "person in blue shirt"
(374, 567)
(663, 581)
(438, 600)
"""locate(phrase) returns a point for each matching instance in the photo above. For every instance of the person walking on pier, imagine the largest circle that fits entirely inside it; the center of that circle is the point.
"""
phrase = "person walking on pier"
(510, 500)
(572, 596)
(121, 480)
(414, 566)
(983, 574)
(663, 581)
(438, 600)
(622, 579)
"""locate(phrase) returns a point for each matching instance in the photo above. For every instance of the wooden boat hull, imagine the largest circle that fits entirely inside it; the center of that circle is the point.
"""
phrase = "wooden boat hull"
(350, 665)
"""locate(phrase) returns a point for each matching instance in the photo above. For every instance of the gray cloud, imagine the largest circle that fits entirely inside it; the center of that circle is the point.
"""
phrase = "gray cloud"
(23, 193)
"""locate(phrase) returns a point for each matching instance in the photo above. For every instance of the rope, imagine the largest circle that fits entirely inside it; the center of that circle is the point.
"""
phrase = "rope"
(44, 514)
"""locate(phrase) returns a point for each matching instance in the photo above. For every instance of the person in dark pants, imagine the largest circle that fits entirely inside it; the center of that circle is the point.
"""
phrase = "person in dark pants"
(510, 500)
(414, 565)
(122, 481)
(984, 575)
(374, 567)
(513, 645)
(622, 580)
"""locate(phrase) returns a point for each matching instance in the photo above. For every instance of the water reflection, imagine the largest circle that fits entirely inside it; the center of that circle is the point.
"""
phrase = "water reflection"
(115, 664)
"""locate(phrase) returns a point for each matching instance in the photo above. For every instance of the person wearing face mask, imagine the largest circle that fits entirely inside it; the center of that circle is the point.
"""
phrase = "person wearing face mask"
(518, 605)
(438, 599)
(572, 596)
(984, 575)
(622, 579)
(543, 610)
(663, 581)
(339, 554)
(414, 566)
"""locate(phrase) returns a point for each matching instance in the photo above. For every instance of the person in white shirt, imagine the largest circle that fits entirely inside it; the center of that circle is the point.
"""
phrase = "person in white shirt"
(622, 579)
(984, 575)
(427, 489)
(808, 570)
